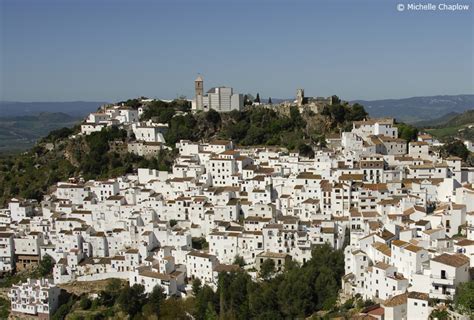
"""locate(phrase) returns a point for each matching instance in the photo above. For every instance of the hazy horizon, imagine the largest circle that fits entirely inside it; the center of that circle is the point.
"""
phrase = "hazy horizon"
(263, 97)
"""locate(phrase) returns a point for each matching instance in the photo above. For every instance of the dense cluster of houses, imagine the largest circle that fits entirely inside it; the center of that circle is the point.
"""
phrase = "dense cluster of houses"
(146, 137)
(403, 215)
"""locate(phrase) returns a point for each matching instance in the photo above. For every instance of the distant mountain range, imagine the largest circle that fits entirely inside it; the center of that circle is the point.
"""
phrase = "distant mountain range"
(18, 133)
(73, 108)
(417, 109)
(409, 110)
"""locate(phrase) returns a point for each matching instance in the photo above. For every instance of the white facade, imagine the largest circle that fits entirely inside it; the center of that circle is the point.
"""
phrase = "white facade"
(34, 298)
(401, 210)
(220, 99)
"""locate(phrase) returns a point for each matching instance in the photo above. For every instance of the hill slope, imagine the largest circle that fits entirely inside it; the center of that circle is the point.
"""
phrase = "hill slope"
(436, 122)
(30, 174)
(20, 133)
(459, 126)
(416, 109)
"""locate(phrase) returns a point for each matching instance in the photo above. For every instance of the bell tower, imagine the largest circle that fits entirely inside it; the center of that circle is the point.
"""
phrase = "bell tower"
(199, 86)
(199, 92)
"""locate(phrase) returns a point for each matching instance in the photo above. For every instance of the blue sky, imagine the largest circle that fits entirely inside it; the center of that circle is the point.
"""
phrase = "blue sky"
(114, 49)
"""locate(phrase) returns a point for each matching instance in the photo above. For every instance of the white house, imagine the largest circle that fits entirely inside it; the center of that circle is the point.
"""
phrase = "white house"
(39, 298)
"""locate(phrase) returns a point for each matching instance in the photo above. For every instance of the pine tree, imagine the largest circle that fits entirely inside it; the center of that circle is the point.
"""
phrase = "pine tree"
(247, 101)
(257, 99)
(270, 100)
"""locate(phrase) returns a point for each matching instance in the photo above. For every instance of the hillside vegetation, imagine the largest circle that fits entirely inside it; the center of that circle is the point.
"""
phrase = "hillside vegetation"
(462, 119)
(458, 126)
(295, 293)
(58, 156)
(30, 174)
(254, 125)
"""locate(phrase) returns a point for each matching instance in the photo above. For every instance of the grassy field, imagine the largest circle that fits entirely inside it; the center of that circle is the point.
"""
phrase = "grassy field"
(442, 133)
(459, 126)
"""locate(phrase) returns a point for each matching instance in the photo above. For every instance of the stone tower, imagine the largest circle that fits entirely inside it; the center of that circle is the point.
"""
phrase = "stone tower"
(199, 92)
(299, 97)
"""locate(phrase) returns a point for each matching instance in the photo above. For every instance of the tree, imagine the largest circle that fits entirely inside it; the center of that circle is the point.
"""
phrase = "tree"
(338, 113)
(257, 99)
(267, 268)
(213, 117)
(247, 101)
(233, 291)
(173, 308)
(105, 298)
(326, 287)
(361, 303)
(58, 134)
(156, 297)
(270, 100)
(132, 299)
(133, 103)
(205, 296)
(470, 160)
(85, 302)
(113, 286)
(464, 298)
(160, 110)
(182, 127)
(347, 238)
(306, 150)
(46, 266)
(296, 119)
(66, 301)
(108, 296)
(199, 243)
(295, 294)
(455, 148)
(211, 313)
(356, 113)
(196, 286)
(322, 141)
(61, 312)
(407, 132)
(439, 314)
(239, 260)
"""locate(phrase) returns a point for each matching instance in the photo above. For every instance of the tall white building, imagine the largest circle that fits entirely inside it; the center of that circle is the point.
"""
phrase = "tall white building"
(221, 99)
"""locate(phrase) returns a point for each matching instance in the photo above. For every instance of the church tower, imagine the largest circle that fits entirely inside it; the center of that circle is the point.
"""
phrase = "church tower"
(199, 92)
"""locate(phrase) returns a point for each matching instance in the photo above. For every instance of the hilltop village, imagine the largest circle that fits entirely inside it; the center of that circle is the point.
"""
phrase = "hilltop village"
(402, 214)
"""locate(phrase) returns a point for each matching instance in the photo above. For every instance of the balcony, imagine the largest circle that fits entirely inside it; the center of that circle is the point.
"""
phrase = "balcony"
(446, 280)
(438, 294)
